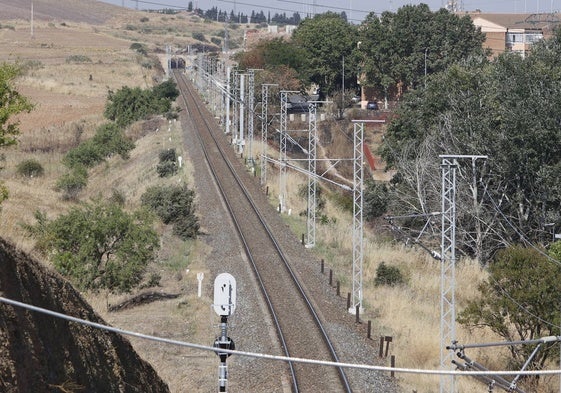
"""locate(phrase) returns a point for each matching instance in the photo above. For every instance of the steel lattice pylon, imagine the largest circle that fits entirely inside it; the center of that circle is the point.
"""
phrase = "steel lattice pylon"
(250, 104)
(312, 182)
(447, 270)
(282, 151)
(236, 109)
(228, 100)
(358, 164)
(449, 165)
(264, 130)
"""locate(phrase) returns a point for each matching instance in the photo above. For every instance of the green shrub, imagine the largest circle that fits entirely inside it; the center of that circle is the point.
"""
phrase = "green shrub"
(167, 155)
(86, 154)
(140, 48)
(216, 41)
(388, 275)
(78, 59)
(198, 36)
(166, 169)
(30, 168)
(109, 139)
(186, 228)
(375, 199)
(72, 183)
(100, 246)
(174, 205)
(144, 19)
(128, 105)
(168, 163)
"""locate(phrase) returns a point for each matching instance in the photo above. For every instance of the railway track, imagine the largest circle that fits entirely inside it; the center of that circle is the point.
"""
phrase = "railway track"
(299, 327)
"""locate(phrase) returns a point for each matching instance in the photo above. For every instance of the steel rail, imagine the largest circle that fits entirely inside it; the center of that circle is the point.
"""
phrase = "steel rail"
(185, 89)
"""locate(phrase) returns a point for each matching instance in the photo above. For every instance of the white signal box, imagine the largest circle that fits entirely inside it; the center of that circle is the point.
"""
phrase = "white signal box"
(224, 294)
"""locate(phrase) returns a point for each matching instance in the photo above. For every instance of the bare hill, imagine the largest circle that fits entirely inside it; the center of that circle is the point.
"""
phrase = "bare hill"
(78, 11)
(40, 353)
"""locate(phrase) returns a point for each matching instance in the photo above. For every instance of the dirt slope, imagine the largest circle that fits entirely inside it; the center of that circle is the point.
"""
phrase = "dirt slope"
(41, 353)
(78, 11)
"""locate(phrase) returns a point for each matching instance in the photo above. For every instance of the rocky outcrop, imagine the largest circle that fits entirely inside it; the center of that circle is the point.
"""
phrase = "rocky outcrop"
(42, 353)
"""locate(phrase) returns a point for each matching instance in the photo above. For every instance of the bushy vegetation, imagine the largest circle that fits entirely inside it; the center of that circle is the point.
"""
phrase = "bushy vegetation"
(199, 36)
(388, 275)
(72, 182)
(168, 163)
(30, 168)
(128, 105)
(108, 140)
(99, 245)
(140, 48)
(78, 59)
(12, 104)
(474, 115)
(174, 205)
(375, 199)
(519, 301)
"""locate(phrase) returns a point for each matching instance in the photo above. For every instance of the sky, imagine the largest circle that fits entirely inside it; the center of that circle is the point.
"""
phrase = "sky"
(356, 10)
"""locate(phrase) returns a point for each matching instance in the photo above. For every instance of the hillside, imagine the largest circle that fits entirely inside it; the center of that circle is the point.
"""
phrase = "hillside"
(40, 353)
(69, 97)
(77, 11)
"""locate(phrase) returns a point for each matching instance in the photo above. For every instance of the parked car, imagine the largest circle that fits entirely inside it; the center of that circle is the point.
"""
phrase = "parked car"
(297, 104)
(372, 105)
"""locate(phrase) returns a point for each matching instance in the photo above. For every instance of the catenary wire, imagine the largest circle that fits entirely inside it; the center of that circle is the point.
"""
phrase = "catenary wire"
(267, 356)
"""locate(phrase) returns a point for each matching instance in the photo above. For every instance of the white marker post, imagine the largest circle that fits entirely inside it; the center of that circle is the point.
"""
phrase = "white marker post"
(224, 306)
(200, 277)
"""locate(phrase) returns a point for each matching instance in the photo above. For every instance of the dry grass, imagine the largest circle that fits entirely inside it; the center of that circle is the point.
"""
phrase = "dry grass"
(68, 109)
(410, 313)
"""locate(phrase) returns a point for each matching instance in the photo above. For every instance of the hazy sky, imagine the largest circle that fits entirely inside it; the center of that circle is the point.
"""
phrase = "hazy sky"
(356, 10)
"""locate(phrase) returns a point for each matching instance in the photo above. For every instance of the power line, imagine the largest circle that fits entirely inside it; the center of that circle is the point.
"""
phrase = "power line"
(161, 4)
(266, 356)
(329, 6)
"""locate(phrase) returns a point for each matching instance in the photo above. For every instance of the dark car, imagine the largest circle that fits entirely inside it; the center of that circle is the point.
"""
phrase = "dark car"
(372, 105)
(297, 104)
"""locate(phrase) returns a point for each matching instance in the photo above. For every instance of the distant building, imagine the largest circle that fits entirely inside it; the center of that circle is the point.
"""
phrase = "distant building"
(514, 32)
(253, 36)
